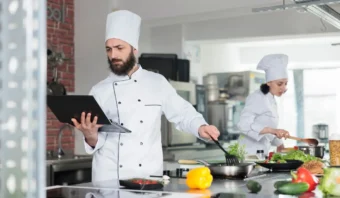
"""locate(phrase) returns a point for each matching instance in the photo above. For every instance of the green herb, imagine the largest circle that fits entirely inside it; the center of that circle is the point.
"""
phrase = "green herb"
(237, 150)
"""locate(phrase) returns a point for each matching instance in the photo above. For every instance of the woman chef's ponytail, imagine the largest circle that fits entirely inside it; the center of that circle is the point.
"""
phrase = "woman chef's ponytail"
(264, 88)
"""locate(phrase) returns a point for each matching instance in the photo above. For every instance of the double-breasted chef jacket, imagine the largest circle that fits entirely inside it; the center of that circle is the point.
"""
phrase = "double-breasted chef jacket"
(260, 111)
(137, 103)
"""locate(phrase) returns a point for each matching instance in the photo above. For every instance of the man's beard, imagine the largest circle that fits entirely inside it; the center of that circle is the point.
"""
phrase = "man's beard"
(120, 67)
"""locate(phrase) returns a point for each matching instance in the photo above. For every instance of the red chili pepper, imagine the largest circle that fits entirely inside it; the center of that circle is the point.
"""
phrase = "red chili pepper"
(270, 155)
(296, 148)
(304, 175)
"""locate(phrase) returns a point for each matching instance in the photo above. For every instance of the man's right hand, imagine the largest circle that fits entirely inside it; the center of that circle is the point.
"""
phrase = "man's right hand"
(88, 128)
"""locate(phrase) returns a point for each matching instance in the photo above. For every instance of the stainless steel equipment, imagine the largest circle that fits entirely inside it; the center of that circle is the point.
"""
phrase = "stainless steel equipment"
(317, 151)
(320, 132)
(225, 116)
(173, 137)
(170, 135)
(241, 170)
(238, 84)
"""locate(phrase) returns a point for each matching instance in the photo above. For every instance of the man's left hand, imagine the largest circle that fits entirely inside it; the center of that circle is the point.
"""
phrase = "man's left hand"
(206, 131)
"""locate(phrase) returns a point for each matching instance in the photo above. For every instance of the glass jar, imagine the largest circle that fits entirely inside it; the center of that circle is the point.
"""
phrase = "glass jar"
(334, 148)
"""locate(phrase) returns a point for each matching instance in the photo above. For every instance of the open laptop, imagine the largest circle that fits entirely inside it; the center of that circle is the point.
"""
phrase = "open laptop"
(71, 106)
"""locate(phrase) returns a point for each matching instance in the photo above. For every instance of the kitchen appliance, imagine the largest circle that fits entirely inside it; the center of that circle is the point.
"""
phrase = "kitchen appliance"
(225, 116)
(320, 132)
(201, 101)
(168, 65)
(238, 84)
(211, 85)
(317, 151)
(170, 135)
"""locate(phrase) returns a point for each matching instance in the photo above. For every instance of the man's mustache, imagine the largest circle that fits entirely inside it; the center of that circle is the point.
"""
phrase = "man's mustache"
(116, 60)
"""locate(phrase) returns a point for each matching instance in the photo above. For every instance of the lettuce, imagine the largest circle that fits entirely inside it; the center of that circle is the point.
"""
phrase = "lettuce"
(330, 183)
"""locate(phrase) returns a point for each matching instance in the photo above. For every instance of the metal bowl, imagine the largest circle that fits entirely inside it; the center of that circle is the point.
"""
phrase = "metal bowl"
(316, 151)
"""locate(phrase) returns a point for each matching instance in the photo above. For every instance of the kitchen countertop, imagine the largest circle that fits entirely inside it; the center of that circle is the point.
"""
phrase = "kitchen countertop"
(178, 188)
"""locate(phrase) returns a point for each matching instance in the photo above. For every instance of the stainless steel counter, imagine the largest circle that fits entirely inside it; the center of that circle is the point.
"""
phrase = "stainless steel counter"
(233, 188)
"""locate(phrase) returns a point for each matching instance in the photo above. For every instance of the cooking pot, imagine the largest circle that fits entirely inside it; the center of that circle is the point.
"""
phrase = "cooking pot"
(316, 151)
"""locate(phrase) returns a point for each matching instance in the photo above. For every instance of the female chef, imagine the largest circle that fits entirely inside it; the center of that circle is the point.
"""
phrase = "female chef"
(259, 118)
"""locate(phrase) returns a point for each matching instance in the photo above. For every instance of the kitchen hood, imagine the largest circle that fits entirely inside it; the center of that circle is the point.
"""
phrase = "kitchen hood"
(319, 8)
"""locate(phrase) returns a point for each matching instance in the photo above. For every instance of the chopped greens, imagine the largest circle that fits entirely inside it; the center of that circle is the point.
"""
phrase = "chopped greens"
(237, 150)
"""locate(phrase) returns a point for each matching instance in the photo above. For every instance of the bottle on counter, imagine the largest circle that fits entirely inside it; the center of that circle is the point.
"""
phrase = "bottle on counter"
(260, 154)
(334, 148)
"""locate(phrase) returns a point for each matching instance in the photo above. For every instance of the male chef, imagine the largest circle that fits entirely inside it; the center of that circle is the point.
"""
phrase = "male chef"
(136, 99)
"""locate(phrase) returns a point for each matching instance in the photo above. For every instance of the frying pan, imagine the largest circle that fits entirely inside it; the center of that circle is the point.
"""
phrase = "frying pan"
(54, 87)
(241, 170)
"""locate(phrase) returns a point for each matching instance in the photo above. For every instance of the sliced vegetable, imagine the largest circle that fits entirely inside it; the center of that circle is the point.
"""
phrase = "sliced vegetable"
(303, 175)
(293, 188)
(144, 181)
(199, 178)
(330, 183)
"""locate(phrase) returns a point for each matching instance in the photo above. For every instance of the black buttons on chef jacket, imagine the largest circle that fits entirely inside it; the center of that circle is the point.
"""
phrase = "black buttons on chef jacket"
(121, 144)
(139, 100)
(141, 143)
(140, 165)
(116, 84)
(121, 124)
(141, 121)
(121, 166)
(135, 80)
(119, 103)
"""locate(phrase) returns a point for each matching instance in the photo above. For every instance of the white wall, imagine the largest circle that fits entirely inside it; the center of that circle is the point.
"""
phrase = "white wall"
(90, 60)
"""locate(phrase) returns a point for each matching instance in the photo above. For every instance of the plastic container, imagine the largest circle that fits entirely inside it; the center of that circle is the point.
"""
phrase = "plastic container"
(334, 149)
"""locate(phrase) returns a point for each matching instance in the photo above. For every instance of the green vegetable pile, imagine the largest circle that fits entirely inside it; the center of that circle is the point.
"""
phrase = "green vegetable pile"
(237, 150)
(295, 155)
(330, 183)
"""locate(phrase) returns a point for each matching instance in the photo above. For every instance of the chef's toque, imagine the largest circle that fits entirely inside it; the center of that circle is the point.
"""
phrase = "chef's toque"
(123, 25)
(275, 66)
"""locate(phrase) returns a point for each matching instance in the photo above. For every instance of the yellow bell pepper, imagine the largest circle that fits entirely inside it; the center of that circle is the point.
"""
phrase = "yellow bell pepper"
(199, 178)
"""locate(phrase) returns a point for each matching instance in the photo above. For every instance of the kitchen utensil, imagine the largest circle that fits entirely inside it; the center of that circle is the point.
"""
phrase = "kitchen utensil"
(230, 159)
(316, 151)
(240, 170)
(290, 165)
(309, 141)
(54, 87)
(221, 169)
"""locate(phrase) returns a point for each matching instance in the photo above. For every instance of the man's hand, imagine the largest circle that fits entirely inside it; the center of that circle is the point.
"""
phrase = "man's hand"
(206, 131)
(88, 128)
(280, 148)
(280, 133)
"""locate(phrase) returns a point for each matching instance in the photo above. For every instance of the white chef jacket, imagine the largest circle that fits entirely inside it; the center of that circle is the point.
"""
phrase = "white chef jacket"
(137, 103)
(260, 111)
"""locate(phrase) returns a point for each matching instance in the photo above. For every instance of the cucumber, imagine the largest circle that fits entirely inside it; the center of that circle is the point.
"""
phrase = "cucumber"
(280, 183)
(293, 188)
(254, 186)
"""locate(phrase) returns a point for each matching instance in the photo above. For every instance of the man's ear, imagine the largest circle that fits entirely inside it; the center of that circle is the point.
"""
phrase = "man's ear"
(135, 52)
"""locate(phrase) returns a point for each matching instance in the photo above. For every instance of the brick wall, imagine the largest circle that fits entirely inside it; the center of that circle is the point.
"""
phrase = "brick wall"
(60, 35)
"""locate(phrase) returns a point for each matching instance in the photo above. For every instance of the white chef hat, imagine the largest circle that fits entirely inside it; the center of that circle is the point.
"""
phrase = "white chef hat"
(123, 25)
(275, 66)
